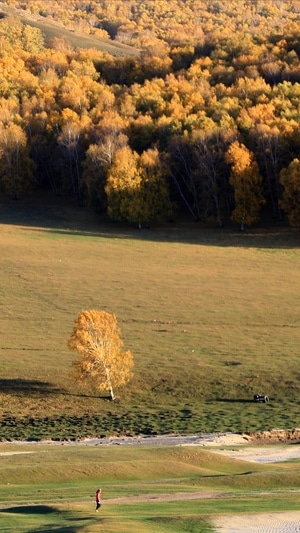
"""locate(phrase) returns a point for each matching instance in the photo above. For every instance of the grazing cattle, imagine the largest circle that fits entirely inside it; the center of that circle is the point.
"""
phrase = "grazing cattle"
(260, 398)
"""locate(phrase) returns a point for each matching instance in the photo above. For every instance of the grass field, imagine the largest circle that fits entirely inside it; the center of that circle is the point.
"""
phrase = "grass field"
(211, 316)
(163, 490)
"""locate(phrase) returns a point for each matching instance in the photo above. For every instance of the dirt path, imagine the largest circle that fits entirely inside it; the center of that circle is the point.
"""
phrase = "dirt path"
(275, 437)
(165, 497)
(202, 439)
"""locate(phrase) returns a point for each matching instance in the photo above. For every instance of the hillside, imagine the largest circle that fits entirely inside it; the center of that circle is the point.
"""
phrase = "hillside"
(211, 317)
(76, 39)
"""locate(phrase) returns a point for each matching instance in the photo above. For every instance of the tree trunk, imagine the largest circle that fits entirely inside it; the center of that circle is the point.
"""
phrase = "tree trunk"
(112, 396)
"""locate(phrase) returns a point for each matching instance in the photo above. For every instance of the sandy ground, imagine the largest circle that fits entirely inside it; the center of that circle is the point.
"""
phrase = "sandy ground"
(276, 437)
(259, 523)
(274, 453)
(288, 522)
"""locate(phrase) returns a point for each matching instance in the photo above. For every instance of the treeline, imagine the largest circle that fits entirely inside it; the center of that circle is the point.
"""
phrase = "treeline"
(205, 119)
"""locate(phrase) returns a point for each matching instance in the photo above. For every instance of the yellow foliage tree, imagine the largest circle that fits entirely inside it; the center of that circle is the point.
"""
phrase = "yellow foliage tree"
(16, 167)
(157, 204)
(123, 186)
(247, 183)
(136, 188)
(290, 180)
(96, 338)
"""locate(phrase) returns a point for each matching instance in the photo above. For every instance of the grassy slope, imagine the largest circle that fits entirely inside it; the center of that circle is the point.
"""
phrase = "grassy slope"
(51, 488)
(211, 317)
(76, 39)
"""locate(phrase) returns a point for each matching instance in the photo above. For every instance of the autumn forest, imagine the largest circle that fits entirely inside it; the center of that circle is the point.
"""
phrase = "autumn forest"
(197, 112)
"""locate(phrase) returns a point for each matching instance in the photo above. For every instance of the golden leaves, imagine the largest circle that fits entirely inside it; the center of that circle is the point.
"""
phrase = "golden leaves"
(96, 338)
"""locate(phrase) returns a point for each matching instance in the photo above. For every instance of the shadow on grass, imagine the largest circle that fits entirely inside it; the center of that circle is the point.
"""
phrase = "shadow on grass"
(235, 400)
(28, 386)
(29, 509)
(54, 529)
(245, 400)
(48, 510)
(190, 233)
(51, 215)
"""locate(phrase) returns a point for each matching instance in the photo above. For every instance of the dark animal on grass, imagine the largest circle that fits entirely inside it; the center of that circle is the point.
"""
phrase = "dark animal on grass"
(260, 398)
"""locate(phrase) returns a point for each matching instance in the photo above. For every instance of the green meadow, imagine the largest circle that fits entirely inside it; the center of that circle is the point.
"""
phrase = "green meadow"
(162, 489)
(211, 316)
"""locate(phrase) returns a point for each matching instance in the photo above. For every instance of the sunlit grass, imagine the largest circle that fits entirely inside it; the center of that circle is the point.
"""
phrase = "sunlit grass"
(211, 317)
(161, 489)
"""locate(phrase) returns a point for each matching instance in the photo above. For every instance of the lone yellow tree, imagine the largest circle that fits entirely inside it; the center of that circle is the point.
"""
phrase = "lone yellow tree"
(96, 338)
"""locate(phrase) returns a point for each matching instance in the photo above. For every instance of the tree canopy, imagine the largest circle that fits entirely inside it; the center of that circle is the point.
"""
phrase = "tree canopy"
(206, 75)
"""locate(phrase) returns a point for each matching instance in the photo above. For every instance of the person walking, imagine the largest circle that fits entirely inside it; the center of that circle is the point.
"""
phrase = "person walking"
(98, 499)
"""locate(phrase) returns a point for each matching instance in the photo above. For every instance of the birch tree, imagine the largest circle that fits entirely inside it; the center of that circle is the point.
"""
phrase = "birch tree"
(290, 181)
(247, 184)
(102, 364)
(16, 167)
